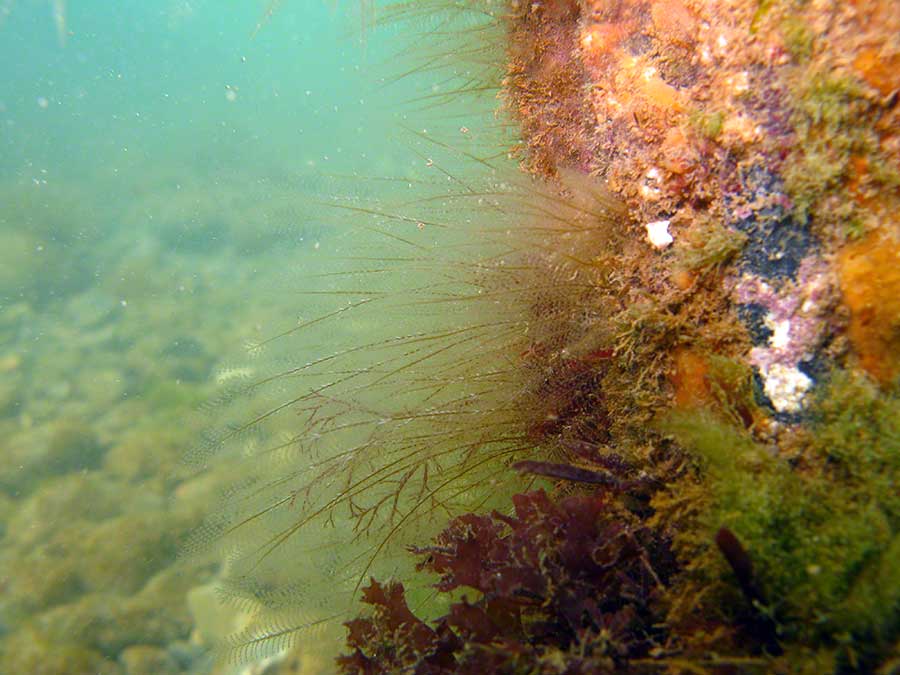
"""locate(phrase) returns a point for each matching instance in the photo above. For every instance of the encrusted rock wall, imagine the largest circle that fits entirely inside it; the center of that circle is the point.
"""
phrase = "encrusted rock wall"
(763, 137)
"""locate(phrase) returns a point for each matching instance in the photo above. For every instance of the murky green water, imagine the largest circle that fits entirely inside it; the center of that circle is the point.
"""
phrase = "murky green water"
(161, 180)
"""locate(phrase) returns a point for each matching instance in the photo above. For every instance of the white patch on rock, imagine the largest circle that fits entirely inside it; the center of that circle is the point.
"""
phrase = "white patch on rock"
(658, 234)
(781, 332)
(785, 386)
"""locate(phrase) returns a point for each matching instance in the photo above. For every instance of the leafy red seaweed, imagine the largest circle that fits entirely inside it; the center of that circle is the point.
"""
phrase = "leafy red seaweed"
(564, 586)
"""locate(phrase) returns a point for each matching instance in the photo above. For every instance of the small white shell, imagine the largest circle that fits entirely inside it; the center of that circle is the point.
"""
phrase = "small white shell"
(658, 234)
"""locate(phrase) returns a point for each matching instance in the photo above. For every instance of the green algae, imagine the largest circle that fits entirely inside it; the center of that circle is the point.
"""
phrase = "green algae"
(798, 38)
(823, 122)
(709, 244)
(821, 523)
(836, 160)
(707, 124)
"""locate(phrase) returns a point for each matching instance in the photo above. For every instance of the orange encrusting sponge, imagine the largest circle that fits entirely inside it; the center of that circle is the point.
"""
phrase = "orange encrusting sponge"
(870, 283)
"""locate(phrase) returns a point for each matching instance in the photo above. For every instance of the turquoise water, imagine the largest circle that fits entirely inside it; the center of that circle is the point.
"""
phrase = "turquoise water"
(182, 81)
(161, 178)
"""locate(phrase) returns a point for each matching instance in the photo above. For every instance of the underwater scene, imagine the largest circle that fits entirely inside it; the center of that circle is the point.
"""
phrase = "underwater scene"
(449, 336)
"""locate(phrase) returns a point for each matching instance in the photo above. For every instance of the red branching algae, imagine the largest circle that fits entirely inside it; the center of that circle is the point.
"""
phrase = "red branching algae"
(567, 584)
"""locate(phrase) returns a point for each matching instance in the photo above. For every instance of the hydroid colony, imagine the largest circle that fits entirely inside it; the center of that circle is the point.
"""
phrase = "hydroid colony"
(742, 429)
(413, 410)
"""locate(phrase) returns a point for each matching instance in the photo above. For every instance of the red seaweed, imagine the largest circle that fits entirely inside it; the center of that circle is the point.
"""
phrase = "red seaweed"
(574, 581)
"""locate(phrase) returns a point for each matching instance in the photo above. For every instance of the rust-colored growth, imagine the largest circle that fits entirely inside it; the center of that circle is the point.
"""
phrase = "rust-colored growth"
(881, 73)
(755, 119)
(870, 282)
(716, 384)
(689, 380)
(878, 57)
(545, 84)
(683, 278)
(672, 102)
(673, 22)
(859, 172)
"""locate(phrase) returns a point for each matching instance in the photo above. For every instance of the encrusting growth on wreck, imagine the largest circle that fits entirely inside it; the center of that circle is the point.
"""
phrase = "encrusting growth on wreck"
(674, 334)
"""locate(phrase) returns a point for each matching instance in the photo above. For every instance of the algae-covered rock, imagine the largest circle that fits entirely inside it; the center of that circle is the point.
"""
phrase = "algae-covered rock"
(16, 320)
(147, 660)
(84, 559)
(7, 508)
(119, 555)
(72, 446)
(20, 262)
(46, 251)
(36, 579)
(11, 380)
(81, 534)
(102, 387)
(59, 503)
(187, 359)
(110, 623)
(148, 451)
(59, 446)
(31, 651)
